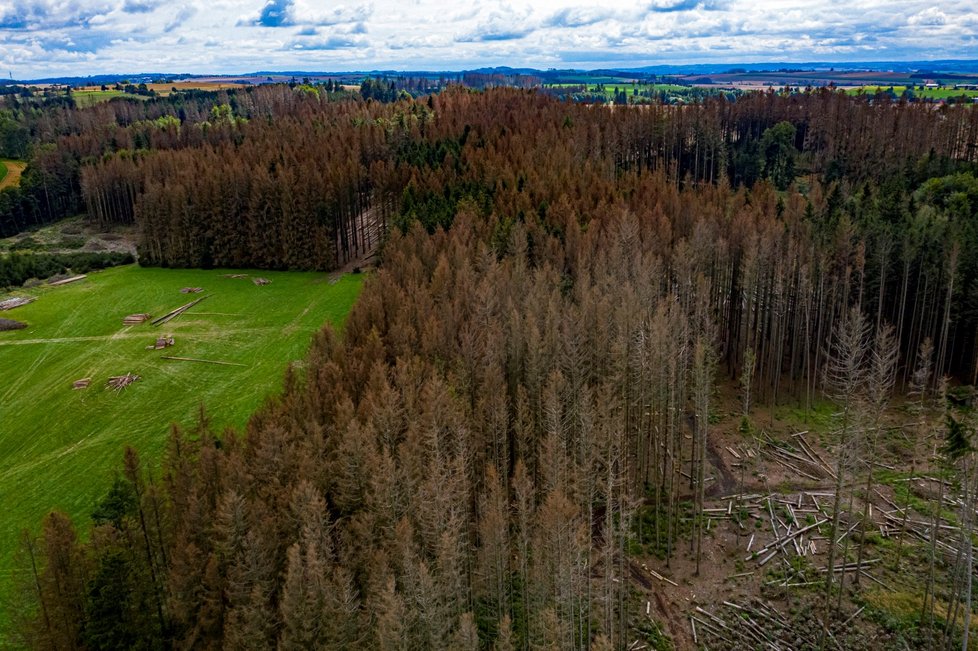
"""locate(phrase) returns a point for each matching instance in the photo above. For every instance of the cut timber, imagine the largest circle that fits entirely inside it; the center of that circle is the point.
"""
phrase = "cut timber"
(10, 324)
(17, 301)
(236, 276)
(261, 281)
(73, 279)
(172, 314)
(659, 576)
(120, 382)
(781, 542)
(82, 383)
(191, 290)
(162, 342)
(136, 319)
(202, 361)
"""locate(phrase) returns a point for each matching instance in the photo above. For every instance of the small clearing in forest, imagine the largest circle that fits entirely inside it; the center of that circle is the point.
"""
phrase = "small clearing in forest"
(10, 173)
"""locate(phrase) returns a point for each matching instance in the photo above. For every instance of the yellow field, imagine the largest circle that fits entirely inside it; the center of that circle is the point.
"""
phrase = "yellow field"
(13, 170)
(166, 89)
(86, 96)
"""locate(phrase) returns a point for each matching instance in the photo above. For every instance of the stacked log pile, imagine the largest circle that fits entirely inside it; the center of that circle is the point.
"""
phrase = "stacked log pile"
(136, 319)
(162, 342)
(10, 324)
(17, 301)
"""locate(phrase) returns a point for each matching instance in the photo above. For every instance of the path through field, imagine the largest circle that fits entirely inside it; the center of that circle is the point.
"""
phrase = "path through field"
(132, 335)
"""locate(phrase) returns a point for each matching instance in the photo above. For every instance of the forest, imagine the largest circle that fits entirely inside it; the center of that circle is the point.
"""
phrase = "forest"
(523, 394)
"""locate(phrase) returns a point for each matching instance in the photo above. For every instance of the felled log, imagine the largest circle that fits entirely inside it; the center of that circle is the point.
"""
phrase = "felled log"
(172, 314)
(17, 301)
(67, 280)
(136, 319)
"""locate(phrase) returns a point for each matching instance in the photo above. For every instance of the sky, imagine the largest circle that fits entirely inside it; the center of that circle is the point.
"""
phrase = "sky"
(41, 38)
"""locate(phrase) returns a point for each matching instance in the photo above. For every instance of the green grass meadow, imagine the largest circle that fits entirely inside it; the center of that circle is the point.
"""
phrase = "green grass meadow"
(627, 86)
(926, 93)
(86, 98)
(10, 173)
(59, 447)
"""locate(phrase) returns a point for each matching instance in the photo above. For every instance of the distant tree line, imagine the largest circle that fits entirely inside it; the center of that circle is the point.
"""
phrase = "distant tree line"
(16, 268)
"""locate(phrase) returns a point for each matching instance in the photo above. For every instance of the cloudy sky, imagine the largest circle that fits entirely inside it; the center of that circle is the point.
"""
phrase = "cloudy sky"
(79, 37)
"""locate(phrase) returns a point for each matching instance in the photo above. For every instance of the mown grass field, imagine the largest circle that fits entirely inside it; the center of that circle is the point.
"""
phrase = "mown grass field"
(59, 447)
(86, 98)
(10, 172)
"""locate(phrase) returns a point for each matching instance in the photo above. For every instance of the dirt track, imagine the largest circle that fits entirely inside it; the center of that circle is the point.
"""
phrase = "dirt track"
(131, 335)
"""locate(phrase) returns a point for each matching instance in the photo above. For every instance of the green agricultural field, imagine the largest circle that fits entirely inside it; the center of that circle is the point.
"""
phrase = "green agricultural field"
(10, 172)
(926, 93)
(86, 98)
(60, 447)
(609, 88)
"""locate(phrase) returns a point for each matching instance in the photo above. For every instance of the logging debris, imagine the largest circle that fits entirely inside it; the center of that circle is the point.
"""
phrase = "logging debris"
(804, 462)
(759, 625)
(82, 383)
(162, 342)
(120, 382)
(191, 290)
(258, 280)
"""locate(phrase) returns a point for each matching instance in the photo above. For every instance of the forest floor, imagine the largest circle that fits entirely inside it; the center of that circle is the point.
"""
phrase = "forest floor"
(72, 235)
(10, 173)
(369, 232)
(60, 447)
(773, 596)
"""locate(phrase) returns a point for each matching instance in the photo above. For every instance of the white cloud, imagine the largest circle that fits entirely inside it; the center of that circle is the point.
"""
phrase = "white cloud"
(61, 37)
(929, 16)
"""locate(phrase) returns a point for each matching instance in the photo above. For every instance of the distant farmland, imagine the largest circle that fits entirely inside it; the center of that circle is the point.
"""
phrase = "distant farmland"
(922, 93)
(90, 95)
(59, 447)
